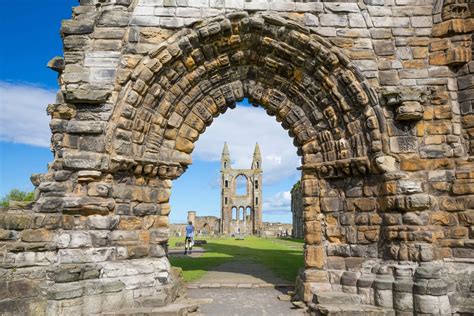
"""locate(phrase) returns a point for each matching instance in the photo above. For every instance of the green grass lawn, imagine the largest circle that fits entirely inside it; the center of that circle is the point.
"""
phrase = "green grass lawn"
(283, 257)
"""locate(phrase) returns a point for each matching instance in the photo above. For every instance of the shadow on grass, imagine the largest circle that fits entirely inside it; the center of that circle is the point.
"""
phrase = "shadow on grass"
(278, 257)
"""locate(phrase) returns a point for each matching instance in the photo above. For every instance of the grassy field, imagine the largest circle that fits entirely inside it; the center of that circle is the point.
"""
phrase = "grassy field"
(283, 257)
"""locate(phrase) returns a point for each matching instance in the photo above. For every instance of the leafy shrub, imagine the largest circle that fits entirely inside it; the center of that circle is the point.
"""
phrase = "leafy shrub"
(17, 195)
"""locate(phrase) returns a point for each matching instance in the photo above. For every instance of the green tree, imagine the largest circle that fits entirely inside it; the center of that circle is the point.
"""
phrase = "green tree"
(17, 195)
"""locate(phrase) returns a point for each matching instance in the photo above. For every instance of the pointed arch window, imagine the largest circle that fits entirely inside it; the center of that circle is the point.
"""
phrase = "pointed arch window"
(241, 187)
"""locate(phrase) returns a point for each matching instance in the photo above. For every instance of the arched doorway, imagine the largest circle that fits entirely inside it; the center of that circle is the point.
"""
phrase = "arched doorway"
(167, 97)
(316, 93)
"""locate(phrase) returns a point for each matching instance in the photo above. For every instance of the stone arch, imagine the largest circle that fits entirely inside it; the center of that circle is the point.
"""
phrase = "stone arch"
(176, 90)
(234, 212)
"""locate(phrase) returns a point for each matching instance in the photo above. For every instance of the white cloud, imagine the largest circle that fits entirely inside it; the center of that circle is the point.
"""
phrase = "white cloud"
(277, 204)
(241, 128)
(23, 117)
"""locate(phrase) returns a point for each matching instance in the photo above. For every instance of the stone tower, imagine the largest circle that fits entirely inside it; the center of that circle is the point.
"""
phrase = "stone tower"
(241, 212)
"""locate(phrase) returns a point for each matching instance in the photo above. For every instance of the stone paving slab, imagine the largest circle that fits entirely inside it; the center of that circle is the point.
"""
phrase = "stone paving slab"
(242, 287)
(248, 302)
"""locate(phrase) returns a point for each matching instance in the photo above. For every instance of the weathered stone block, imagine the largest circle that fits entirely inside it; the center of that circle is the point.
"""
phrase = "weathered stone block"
(77, 43)
(403, 144)
(63, 291)
(8, 234)
(87, 96)
(365, 205)
(333, 20)
(384, 48)
(100, 238)
(79, 239)
(83, 26)
(389, 78)
(114, 18)
(330, 204)
(124, 237)
(159, 235)
(142, 209)
(36, 235)
(85, 127)
(99, 189)
(85, 160)
(315, 257)
(410, 111)
(88, 205)
(157, 251)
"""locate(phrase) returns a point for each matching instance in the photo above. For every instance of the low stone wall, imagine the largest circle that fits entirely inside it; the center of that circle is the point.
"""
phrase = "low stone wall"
(274, 229)
(56, 264)
(434, 288)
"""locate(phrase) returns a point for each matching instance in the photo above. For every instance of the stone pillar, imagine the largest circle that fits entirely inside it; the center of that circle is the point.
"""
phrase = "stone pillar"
(314, 277)
(365, 288)
(237, 218)
(403, 290)
(383, 288)
(430, 292)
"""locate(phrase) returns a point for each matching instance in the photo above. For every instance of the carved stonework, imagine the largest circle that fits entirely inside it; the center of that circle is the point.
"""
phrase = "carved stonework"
(407, 103)
(454, 28)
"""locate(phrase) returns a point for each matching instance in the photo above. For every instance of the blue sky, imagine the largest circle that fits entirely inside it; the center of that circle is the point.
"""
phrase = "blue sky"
(27, 86)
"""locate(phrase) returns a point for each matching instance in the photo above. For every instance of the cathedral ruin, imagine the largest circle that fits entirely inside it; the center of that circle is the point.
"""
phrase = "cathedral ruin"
(377, 96)
(241, 213)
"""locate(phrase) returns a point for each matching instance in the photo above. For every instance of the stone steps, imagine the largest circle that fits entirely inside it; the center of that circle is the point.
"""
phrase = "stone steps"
(335, 298)
(342, 304)
(347, 310)
(178, 308)
(154, 301)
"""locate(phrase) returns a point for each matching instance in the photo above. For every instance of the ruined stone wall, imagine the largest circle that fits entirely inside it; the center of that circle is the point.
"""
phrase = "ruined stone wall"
(377, 96)
(203, 225)
(297, 211)
(275, 229)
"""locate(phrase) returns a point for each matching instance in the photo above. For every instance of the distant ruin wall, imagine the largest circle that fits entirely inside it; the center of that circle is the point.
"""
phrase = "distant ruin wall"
(297, 211)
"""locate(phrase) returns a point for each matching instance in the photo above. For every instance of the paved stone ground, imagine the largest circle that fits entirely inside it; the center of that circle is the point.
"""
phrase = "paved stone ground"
(248, 302)
(241, 287)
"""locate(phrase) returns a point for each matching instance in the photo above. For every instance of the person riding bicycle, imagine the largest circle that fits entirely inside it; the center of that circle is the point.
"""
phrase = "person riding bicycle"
(189, 241)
